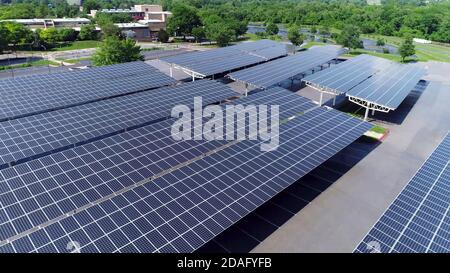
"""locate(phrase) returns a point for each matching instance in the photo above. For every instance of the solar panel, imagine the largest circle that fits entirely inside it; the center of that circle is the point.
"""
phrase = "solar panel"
(388, 87)
(53, 95)
(270, 52)
(230, 63)
(418, 220)
(56, 80)
(274, 72)
(225, 59)
(30, 137)
(182, 210)
(348, 74)
(42, 191)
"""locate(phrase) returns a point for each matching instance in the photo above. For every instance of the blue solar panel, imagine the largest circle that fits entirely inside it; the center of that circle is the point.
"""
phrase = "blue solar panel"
(389, 87)
(28, 96)
(419, 218)
(274, 72)
(226, 64)
(346, 75)
(41, 191)
(48, 81)
(182, 210)
(30, 137)
(215, 61)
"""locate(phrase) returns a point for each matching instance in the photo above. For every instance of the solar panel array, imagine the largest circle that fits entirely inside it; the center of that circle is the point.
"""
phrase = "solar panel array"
(348, 74)
(182, 210)
(225, 59)
(371, 79)
(45, 191)
(28, 83)
(60, 90)
(29, 137)
(419, 218)
(389, 87)
(274, 72)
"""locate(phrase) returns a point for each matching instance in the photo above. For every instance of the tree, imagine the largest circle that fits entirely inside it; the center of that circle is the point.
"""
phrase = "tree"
(113, 51)
(50, 36)
(3, 38)
(407, 48)
(294, 35)
(67, 35)
(89, 5)
(63, 9)
(325, 30)
(220, 33)
(380, 42)
(184, 18)
(87, 32)
(313, 29)
(272, 29)
(109, 29)
(102, 18)
(198, 33)
(17, 34)
(349, 37)
(163, 36)
(239, 27)
(261, 34)
(17, 11)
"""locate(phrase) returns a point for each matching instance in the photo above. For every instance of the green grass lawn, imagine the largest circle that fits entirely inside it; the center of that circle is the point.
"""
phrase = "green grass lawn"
(388, 56)
(30, 64)
(78, 45)
(254, 37)
(358, 112)
(152, 48)
(379, 129)
(310, 44)
(424, 52)
(74, 61)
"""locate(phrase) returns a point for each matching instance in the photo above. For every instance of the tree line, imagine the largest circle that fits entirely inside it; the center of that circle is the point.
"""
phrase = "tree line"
(418, 18)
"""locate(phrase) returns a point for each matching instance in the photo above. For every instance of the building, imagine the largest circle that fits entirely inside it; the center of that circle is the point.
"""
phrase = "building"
(153, 12)
(137, 15)
(136, 31)
(149, 20)
(55, 22)
(139, 12)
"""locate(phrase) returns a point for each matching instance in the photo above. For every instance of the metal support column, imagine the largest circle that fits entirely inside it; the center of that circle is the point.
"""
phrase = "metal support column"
(367, 113)
(321, 98)
(334, 100)
(193, 76)
(171, 71)
(246, 89)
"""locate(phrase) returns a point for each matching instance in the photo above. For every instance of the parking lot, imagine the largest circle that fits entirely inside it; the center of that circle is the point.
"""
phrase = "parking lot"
(333, 207)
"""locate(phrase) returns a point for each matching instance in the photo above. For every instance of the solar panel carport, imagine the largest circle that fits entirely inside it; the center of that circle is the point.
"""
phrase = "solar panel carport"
(35, 136)
(26, 96)
(142, 191)
(418, 220)
(215, 61)
(277, 71)
(386, 90)
(374, 83)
